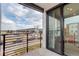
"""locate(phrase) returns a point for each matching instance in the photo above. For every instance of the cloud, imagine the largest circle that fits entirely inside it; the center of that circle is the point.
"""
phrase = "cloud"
(7, 24)
(38, 23)
(25, 17)
(37, 12)
(6, 20)
(34, 22)
(29, 26)
(34, 17)
(21, 26)
(18, 10)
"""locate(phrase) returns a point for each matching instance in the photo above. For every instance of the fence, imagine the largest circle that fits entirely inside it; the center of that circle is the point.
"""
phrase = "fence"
(19, 43)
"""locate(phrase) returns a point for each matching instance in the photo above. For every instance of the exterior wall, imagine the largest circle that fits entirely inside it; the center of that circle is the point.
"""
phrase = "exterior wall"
(44, 30)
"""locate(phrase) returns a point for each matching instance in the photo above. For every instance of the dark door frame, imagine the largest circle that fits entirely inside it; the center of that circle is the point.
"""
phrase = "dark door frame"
(61, 6)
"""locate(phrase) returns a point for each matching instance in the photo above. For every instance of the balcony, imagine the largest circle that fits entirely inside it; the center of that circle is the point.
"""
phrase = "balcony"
(23, 44)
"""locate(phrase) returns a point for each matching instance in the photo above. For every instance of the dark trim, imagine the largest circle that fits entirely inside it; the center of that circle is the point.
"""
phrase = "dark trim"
(3, 45)
(62, 29)
(47, 30)
(33, 6)
(27, 41)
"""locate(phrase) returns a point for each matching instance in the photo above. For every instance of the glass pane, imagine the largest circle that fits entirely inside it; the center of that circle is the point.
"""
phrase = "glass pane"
(71, 29)
(54, 30)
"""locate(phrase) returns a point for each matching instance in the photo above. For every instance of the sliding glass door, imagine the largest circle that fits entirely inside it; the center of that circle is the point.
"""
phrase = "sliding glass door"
(54, 37)
(71, 29)
(63, 29)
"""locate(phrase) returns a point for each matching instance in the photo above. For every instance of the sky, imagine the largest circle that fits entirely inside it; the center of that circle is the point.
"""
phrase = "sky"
(15, 16)
(74, 19)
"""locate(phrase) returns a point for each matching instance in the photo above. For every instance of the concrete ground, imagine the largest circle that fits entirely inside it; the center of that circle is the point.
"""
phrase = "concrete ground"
(71, 49)
(41, 52)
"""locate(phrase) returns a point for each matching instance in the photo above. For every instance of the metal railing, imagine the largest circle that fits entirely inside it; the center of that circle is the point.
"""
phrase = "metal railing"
(19, 43)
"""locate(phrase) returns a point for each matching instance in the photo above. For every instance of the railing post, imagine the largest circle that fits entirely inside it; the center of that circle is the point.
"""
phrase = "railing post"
(40, 39)
(27, 41)
(3, 45)
(74, 38)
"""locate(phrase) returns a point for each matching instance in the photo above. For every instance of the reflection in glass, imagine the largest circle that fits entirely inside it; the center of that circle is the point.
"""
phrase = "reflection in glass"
(71, 29)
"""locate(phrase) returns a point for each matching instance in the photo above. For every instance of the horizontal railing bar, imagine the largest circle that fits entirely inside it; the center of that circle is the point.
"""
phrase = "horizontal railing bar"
(20, 45)
(21, 38)
(19, 53)
(23, 42)
(7, 41)
(13, 38)
(12, 34)
(15, 51)
(24, 45)
(16, 33)
(13, 46)
(20, 50)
